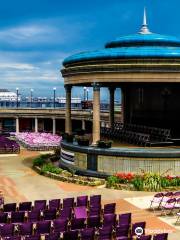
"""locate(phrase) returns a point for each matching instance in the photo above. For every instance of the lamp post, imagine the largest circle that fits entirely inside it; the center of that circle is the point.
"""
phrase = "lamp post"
(87, 92)
(54, 103)
(17, 96)
(85, 88)
(31, 97)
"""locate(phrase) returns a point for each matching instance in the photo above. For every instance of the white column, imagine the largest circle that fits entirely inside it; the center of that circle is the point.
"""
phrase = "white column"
(36, 124)
(68, 122)
(17, 125)
(111, 106)
(83, 125)
(96, 113)
(54, 126)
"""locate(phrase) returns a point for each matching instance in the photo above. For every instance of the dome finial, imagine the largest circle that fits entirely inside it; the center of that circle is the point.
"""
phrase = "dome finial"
(144, 28)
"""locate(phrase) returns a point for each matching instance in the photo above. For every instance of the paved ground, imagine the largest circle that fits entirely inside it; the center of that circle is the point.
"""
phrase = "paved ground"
(19, 183)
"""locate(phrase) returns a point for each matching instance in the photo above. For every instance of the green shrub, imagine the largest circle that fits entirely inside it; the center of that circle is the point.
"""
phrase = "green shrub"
(39, 161)
(45, 156)
(49, 167)
(111, 181)
(152, 182)
(138, 183)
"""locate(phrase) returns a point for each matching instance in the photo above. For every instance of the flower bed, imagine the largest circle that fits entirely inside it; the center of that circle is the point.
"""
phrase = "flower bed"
(143, 182)
(38, 141)
(43, 166)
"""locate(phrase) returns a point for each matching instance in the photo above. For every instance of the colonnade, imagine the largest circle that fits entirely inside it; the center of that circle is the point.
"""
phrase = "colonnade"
(96, 111)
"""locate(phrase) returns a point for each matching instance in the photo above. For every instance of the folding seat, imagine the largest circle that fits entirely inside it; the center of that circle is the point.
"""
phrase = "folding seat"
(65, 213)
(168, 206)
(33, 237)
(60, 225)
(105, 233)
(52, 236)
(49, 214)
(17, 217)
(82, 201)
(95, 200)
(40, 205)
(33, 216)
(136, 225)
(156, 201)
(25, 229)
(93, 221)
(3, 217)
(109, 220)
(9, 207)
(162, 236)
(70, 235)
(80, 212)
(43, 227)
(109, 208)
(94, 210)
(25, 206)
(55, 204)
(124, 219)
(145, 237)
(77, 223)
(7, 230)
(68, 202)
(87, 234)
(121, 231)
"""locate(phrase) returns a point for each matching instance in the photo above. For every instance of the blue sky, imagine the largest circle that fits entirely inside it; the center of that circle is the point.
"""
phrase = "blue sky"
(35, 36)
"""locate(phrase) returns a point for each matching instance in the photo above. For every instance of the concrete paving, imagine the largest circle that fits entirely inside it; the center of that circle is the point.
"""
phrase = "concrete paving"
(19, 182)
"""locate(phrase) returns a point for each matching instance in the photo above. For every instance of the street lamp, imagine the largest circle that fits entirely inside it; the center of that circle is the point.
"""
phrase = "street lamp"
(87, 91)
(54, 103)
(32, 90)
(85, 88)
(17, 96)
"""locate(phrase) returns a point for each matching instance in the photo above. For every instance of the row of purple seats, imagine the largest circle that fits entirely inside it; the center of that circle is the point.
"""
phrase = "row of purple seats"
(8, 146)
(95, 200)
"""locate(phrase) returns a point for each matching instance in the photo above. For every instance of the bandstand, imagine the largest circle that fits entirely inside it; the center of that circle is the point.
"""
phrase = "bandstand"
(146, 67)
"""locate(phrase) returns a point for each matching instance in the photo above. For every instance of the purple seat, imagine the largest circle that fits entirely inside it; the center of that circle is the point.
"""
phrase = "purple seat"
(71, 235)
(65, 213)
(124, 219)
(25, 206)
(156, 201)
(17, 217)
(68, 202)
(40, 205)
(77, 223)
(95, 200)
(25, 229)
(162, 236)
(136, 225)
(147, 237)
(105, 233)
(60, 225)
(93, 221)
(49, 214)
(3, 217)
(33, 237)
(109, 208)
(95, 210)
(82, 201)
(43, 227)
(13, 238)
(87, 234)
(168, 206)
(34, 216)
(54, 204)
(9, 207)
(80, 212)
(122, 231)
(7, 230)
(109, 220)
(52, 236)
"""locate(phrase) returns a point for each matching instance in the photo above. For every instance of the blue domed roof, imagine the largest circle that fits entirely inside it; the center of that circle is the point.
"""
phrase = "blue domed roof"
(145, 39)
(141, 45)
